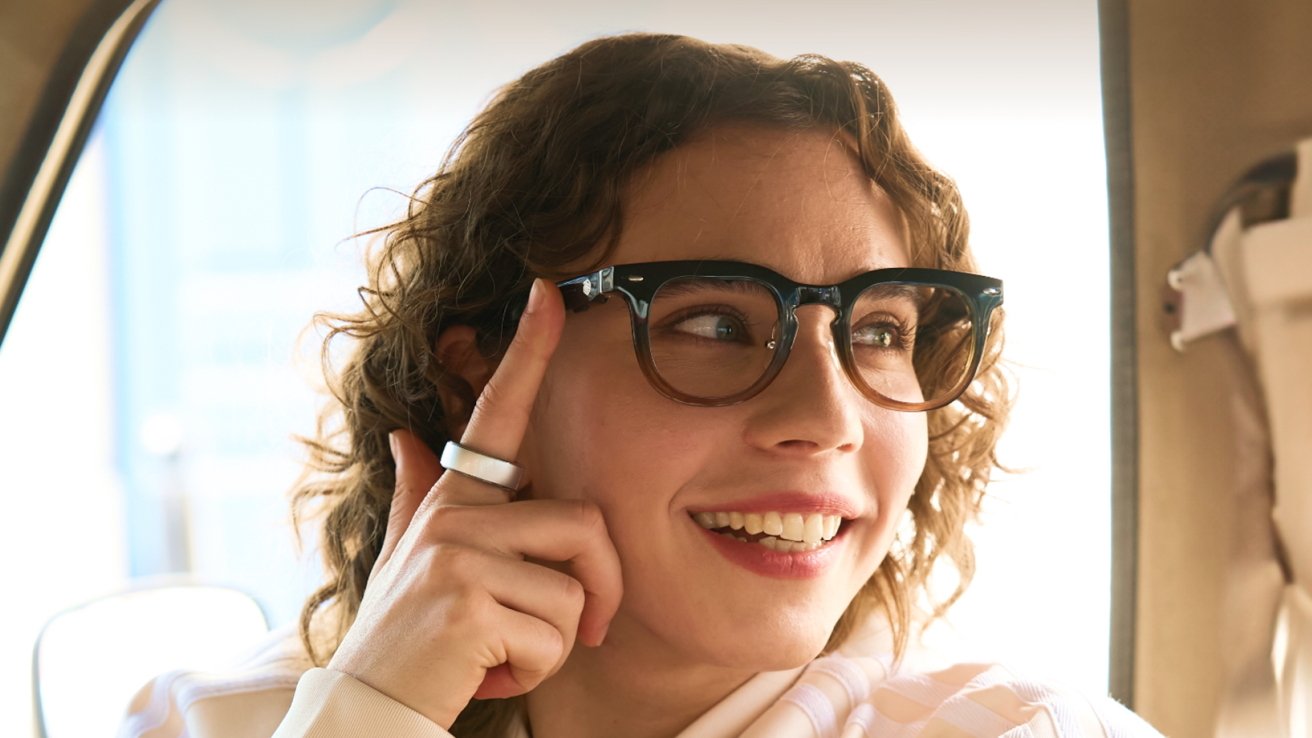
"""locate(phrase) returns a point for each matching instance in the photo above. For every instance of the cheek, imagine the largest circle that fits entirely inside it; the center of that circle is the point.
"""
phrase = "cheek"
(897, 445)
(896, 449)
(599, 431)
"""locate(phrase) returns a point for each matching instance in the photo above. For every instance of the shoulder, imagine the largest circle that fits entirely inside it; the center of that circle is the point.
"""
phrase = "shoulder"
(838, 693)
(250, 700)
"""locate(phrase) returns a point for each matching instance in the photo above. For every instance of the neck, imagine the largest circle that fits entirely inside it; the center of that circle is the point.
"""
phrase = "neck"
(628, 686)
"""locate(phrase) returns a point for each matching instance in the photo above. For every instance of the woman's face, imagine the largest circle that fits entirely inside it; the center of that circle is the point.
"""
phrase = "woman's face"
(809, 444)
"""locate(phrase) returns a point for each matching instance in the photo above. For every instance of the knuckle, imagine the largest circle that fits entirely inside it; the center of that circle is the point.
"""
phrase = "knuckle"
(479, 607)
(468, 613)
(441, 515)
(572, 592)
(489, 397)
(524, 343)
(542, 658)
(552, 644)
(496, 399)
(588, 515)
(447, 520)
(529, 677)
(453, 563)
(557, 643)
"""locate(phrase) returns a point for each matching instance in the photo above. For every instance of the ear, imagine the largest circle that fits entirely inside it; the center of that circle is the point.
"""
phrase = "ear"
(457, 351)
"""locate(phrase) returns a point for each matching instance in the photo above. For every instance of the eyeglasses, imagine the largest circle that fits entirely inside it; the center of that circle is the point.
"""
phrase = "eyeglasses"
(714, 333)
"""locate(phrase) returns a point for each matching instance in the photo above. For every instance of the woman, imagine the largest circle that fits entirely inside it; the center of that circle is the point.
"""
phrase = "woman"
(701, 501)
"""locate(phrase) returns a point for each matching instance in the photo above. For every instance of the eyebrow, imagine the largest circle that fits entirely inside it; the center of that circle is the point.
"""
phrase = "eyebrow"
(902, 294)
(741, 285)
(895, 289)
(693, 284)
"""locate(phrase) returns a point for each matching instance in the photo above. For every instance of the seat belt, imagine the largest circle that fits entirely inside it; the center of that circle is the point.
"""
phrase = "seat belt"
(1252, 283)
(1276, 260)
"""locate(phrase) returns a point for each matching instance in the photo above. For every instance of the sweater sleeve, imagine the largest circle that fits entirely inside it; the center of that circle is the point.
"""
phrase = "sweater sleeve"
(318, 703)
(330, 704)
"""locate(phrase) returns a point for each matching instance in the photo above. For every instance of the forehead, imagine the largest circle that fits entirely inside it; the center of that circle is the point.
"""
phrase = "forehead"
(795, 201)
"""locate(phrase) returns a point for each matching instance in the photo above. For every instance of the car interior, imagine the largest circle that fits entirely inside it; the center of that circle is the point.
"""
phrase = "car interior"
(182, 182)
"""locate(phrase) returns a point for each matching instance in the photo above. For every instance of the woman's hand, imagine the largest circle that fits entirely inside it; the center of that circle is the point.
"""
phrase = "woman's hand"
(453, 610)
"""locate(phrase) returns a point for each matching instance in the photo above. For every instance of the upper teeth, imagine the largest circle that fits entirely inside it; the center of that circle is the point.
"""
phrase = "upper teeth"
(812, 528)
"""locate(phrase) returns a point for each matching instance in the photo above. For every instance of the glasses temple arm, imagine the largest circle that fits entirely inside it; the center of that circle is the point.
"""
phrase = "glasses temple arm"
(581, 292)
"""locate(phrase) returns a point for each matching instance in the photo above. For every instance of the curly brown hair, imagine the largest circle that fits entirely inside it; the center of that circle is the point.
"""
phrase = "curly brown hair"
(536, 183)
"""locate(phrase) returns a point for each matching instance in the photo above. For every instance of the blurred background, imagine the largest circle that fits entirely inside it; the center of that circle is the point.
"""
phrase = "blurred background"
(161, 360)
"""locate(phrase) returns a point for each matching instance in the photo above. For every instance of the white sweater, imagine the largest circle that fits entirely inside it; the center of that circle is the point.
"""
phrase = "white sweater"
(843, 695)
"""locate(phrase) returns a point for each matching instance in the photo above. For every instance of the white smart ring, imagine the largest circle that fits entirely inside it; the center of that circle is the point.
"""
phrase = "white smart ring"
(484, 468)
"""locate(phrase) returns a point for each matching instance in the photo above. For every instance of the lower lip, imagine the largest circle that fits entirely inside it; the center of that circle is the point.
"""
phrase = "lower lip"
(758, 559)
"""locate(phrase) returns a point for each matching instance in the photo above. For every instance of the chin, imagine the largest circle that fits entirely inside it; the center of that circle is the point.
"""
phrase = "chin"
(769, 644)
(782, 657)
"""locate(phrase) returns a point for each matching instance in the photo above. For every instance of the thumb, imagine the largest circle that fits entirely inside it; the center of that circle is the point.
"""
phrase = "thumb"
(417, 470)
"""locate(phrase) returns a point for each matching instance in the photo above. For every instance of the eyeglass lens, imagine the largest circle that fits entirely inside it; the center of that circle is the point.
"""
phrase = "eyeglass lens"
(713, 338)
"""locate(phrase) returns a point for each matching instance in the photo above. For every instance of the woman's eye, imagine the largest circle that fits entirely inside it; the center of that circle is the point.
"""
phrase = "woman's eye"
(880, 335)
(713, 327)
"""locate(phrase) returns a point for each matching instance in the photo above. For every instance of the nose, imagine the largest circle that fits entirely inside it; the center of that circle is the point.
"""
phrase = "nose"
(811, 408)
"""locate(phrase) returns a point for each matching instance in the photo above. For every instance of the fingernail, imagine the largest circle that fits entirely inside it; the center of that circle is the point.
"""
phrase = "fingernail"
(534, 296)
(395, 446)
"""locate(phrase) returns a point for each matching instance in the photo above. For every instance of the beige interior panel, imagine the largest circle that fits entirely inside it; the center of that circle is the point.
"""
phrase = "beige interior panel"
(1215, 87)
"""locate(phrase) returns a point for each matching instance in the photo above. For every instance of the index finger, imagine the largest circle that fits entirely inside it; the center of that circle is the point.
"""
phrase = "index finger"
(501, 414)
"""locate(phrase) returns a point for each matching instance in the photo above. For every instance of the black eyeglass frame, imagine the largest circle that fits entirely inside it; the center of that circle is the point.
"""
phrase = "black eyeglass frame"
(639, 284)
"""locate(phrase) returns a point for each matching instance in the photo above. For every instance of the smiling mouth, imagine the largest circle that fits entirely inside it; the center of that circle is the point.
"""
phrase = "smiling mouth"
(777, 531)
